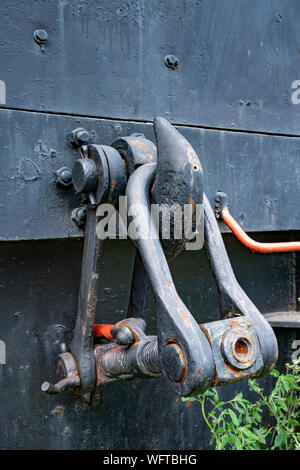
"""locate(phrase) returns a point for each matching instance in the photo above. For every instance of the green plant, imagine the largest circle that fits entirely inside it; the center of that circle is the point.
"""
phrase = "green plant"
(237, 424)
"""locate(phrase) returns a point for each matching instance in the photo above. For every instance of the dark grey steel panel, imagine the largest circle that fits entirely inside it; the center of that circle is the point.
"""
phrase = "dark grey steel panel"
(284, 319)
(38, 300)
(237, 60)
(259, 173)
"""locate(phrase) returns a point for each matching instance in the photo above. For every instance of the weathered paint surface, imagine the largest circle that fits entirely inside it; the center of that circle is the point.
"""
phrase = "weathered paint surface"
(38, 298)
(260, 174)
(236, 63)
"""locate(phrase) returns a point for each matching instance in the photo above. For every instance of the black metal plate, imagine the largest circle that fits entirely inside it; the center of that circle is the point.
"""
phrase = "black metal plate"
(259, 173)
(237, 60)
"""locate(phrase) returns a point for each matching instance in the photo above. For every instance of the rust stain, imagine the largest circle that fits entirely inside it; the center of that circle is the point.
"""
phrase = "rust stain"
(113, 183)
(58, 411)
(83, 329)
(241, 348)
(185, 316)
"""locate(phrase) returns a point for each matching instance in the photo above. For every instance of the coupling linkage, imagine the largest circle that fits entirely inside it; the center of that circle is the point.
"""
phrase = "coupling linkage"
(190, 356)
(100, 176)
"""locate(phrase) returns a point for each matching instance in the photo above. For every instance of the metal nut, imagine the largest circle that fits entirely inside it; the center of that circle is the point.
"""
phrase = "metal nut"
(79, 137)
(63, 176)
(78, 216)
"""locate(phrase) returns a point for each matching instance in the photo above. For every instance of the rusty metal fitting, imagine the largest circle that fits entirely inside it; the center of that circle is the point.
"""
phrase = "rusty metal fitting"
(113, 361)
(238, 348)
(67, 372)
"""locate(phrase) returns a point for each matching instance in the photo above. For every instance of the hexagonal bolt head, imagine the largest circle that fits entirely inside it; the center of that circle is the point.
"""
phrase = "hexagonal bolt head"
(40, 36)
(79, 137)
(63, 176)
(78, 216)
(171, 61)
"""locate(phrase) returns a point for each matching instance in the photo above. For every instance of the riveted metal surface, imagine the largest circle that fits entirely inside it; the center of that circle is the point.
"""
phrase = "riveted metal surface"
(258, 173)
(236, 64)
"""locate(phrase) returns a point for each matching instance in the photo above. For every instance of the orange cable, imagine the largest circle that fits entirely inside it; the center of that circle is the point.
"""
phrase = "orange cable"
(253, 245)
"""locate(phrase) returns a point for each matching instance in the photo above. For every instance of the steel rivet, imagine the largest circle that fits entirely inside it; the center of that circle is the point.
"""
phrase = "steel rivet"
(171, 61)
(40, 36)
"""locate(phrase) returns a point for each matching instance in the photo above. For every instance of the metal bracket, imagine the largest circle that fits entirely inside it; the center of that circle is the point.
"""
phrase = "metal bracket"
(192, 357)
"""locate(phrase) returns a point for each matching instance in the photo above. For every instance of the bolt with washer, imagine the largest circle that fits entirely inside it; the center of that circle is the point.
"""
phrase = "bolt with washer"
(79, 137)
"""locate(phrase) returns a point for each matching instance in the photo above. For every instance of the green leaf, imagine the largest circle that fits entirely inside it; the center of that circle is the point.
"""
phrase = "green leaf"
(275, 373)
(188, 399)
(220, 430)
(216, 397)
(280, 439)
(231, 426)
(280, 403)
(249, 434)
(221, 403)
(234, 418)
(260, 435)
(238, 396)
(293, 422)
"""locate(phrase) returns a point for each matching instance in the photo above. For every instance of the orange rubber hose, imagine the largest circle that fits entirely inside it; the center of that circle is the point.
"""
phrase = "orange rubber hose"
(254, 246)
(103, 331)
